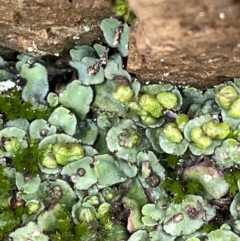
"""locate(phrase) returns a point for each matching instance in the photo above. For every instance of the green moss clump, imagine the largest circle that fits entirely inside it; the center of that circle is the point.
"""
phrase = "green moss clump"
(180, 188)
(8, 223)
(232, 177)
(5, 184)
(122, 9)
(13, 107)
(26, 160)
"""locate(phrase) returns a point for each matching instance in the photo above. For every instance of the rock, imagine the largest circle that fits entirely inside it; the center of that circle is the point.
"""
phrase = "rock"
(43, 27)
(194, 43)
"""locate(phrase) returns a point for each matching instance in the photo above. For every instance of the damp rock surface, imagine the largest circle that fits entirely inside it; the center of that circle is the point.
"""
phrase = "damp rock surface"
(42, 27)
(181, 41)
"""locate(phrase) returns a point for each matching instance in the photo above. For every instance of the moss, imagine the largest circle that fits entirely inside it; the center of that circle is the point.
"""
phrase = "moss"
(122, 9)
(232, 177)
(5, 184)
(26, 160)
(180, 188)
(8, 223)
(13, 107)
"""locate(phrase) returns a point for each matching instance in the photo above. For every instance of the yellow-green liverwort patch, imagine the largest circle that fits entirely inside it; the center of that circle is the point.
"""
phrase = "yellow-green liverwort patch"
(47, 158)
(167, 99)
(133, 105)
(12, 145)
(148, 119)
(216, 130)
(201, 140)
(226, 96)
(86, 214)
(32, 206)
(108, 193)
(93, 200)
(234, 110)
(123, 93)
(172, 133)
(67, 152)
(150, 104)
(49, 161)
(181, 121)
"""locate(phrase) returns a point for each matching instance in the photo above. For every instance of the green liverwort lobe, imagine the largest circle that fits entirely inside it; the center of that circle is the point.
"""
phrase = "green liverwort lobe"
(150, 104)
(216, 130)
(49, 161)
(37, 83)
(226, 96)
(201, 140)
(234, 110)
(148, 119)
(12, 145)
(86, 214)
(67, 152)
(32, 206)
(172, 133)
(123, 93)
(167, 99)
(181, 121)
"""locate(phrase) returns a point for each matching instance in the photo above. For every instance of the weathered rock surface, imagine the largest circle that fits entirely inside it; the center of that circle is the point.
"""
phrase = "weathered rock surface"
(40, 27)
(193, 42)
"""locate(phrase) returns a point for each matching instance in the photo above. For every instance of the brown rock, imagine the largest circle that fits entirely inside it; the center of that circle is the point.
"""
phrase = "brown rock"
(191, 42)
(40, 27)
